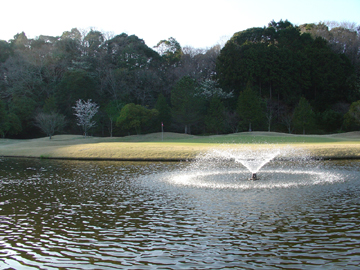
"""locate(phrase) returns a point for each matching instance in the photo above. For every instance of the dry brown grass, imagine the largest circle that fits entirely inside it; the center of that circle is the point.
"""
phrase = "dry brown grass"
(178, 146)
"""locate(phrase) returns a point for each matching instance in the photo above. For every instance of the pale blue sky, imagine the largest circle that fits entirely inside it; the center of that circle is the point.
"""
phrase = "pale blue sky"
(198, 23)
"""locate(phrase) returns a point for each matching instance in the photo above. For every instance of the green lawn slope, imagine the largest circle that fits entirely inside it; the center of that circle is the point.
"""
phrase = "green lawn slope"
(174, 146)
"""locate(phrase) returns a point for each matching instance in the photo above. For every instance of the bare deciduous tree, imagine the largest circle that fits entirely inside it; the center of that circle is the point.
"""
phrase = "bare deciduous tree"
(50, 123)
(287, 120)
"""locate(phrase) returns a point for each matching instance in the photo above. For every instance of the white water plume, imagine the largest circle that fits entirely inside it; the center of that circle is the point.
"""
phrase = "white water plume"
(252, 159)
(230, 168)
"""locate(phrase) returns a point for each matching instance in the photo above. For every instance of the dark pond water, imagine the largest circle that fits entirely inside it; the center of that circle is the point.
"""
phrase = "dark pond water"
(118, 215)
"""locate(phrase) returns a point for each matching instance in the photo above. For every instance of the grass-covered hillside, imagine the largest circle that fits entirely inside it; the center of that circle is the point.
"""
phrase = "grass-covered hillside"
(174, 146)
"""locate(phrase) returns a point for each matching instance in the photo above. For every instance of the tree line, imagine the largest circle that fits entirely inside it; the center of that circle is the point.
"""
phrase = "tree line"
(301, 79)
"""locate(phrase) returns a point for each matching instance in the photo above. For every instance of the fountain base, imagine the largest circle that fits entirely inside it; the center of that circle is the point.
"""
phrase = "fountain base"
(253, 177)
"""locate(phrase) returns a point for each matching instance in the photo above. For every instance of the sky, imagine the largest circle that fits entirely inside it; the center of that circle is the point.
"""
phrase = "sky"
(196, 23)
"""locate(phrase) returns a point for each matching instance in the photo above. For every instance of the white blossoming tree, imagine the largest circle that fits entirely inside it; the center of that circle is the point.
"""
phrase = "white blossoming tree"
(85, 111)
(209, 89)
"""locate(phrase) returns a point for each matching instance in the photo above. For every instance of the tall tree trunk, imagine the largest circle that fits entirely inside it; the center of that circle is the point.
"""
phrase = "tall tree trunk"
(111, 127)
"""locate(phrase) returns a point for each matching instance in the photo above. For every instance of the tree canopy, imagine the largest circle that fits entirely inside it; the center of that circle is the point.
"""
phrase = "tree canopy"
(186, 105)
(250, 108)
(190, 87)
(285, 64)
(135, 117)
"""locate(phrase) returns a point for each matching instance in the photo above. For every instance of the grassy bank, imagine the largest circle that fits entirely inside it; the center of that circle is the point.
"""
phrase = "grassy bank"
(175, 146)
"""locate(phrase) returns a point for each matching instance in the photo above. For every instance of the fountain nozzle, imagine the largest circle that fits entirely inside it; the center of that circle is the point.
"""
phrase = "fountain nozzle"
(253, 176)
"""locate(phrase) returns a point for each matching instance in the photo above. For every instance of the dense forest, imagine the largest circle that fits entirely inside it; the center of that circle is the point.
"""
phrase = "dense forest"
(286, 78)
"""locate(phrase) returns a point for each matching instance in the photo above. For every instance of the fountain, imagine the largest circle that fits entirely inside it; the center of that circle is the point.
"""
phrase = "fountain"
(253, 160)
(276, 166)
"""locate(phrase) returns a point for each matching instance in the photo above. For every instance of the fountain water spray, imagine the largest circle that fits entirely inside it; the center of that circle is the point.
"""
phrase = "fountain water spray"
(230, 166)
(253, 160)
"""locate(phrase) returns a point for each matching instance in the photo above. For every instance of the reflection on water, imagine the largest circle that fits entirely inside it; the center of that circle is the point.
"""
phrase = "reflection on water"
(116, 215)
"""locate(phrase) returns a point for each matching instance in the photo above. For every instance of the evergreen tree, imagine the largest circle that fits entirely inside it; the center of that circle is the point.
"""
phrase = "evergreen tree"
(214, 120)
(12, 125)
(23, 107)
(304, 117)
(135, 117)
(112, 111)
(352, 117)
(249, 108)
(185, 105)
(164, 111)
(354, 111)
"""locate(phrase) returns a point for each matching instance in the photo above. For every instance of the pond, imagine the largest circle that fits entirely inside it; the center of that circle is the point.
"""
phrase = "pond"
(58, 214)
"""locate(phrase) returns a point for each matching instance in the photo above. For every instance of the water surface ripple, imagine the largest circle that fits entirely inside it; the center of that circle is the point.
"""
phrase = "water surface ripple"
(122, 215)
